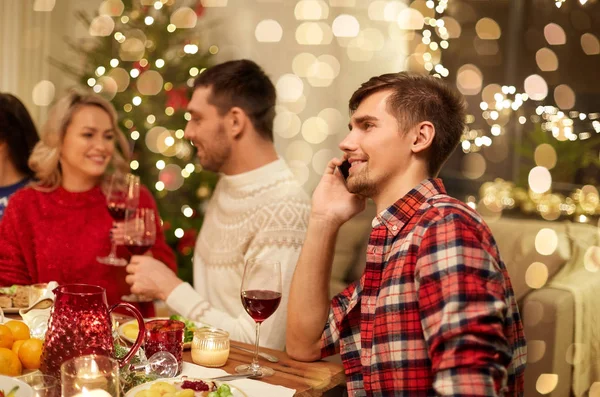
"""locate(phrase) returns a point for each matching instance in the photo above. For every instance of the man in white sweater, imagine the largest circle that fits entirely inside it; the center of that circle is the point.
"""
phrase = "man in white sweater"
(258, 209)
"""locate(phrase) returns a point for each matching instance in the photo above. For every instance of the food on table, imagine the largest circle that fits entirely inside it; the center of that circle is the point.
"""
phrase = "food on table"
(11, 393)
(18, 350)
(16, 296)
(190, 327)
(9, 363)
(187, 388)
(131, 330)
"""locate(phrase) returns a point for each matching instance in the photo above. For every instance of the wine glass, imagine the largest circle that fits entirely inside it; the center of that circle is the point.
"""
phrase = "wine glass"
(140, 236)
(162, 364)
(123, 194)
(261, 295)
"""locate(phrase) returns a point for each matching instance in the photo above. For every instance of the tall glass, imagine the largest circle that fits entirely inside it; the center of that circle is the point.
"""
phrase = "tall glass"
(90, 375)
(261, 295)
(123, 195)
(140, 236)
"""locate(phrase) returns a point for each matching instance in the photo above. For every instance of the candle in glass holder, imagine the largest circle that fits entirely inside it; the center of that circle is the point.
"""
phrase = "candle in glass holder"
(210, 347)
(90, 376)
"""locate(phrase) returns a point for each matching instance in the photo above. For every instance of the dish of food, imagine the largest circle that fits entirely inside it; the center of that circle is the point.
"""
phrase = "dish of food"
(185, 387)
(11, 387)
(14, 298)
(129, 330)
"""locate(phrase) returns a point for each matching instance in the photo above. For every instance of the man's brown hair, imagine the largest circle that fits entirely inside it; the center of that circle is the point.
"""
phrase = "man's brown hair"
(242, 83)
(416, 98)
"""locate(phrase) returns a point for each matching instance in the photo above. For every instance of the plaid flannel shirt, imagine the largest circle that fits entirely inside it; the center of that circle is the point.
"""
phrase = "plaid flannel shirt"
(434, 312)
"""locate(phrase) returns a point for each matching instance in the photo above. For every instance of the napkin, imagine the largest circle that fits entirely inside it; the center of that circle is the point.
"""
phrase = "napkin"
(37, 319)
(252, 388)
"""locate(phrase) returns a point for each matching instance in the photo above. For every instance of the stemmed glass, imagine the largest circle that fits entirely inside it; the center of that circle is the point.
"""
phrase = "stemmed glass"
(123, 195)
(140, 235)
(261, 295)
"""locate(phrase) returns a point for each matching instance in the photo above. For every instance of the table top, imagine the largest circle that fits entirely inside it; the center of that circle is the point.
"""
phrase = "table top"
(309, 379)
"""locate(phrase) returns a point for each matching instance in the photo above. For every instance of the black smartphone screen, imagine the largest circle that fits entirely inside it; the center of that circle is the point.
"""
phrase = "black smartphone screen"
(345, 169)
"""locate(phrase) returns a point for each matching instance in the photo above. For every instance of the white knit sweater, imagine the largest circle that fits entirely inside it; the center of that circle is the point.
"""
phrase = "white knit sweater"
(261, 213)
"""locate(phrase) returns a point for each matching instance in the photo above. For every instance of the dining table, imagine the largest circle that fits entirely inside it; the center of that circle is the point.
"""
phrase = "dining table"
(309, 379)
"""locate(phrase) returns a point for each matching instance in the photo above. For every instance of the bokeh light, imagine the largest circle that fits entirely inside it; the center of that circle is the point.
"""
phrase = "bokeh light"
(564, 97)
(539, 179)
(150, 83)
(321, 159)
(314, 130)
(546, 60)
(289, 88)
(43, 93)
(286, 124)
(311, 10)
(469, 79)
(268, 31)
(473, 165)
(536, 275)
(554, 34)
(545, 156)
(536, 87)
(184, 18)
(101, 26)
(546, 241)
(299, 150)
(546, 383)
(590, 44)
(345, 25)
(410, 19)
(488, 29)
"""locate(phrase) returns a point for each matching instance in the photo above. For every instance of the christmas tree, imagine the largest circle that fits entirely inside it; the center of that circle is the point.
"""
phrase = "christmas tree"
(143, 56)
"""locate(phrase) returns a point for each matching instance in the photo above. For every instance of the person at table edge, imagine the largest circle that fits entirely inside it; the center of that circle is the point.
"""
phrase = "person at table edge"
(55, 229)
(434, 312)
(258, 208)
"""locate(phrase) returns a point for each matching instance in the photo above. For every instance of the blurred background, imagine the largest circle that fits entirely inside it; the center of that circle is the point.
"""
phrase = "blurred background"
(529, 69)
(529, 159)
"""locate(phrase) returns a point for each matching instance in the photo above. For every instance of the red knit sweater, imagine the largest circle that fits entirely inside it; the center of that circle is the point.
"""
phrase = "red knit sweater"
(56, 236)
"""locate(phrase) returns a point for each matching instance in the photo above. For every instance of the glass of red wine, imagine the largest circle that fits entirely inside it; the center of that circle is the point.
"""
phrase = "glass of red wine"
(123, 195)
(140, 235)
(261, 295)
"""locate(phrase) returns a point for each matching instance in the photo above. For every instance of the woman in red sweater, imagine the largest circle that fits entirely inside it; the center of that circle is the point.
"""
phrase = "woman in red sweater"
(55, 229)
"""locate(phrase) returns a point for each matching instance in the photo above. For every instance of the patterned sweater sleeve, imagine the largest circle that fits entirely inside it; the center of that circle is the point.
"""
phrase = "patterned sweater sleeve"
(280, 233)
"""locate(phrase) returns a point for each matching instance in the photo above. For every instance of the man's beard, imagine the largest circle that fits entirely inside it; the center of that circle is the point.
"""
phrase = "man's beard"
(219, 152)
(361, 184)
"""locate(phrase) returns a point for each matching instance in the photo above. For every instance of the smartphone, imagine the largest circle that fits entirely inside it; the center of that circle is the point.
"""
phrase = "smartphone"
(345, 169)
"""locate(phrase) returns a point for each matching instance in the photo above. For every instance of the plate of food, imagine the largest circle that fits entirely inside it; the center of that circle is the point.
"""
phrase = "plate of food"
(185, 387)
(129, 330)
(14, 298)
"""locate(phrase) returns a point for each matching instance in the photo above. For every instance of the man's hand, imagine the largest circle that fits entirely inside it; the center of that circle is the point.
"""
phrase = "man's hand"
(150, 277)
(331, 201)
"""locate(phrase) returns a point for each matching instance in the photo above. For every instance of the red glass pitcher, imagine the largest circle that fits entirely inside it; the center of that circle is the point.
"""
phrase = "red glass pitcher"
(80, 324)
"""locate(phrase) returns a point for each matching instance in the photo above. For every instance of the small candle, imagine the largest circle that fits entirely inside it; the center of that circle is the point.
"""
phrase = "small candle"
(210, 347)
(93, 393)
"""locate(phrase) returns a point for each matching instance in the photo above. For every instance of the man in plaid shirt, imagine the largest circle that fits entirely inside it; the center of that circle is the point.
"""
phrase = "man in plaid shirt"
(434, 312)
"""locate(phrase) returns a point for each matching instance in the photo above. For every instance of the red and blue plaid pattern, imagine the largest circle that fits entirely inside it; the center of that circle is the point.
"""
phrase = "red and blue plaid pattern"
(434, 312)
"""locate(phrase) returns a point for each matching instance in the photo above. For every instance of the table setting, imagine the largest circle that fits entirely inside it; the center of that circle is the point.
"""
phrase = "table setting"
(86, 350)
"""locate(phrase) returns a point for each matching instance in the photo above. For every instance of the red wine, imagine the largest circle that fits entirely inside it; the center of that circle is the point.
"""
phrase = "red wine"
(135, 249)
(260, 304)
(117, 211)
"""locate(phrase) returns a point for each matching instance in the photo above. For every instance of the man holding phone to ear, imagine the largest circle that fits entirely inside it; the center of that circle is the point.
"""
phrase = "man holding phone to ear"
(434, 312)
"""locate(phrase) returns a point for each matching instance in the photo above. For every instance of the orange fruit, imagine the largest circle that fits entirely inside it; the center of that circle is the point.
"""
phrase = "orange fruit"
(9, 363)
(19, 329)
(16, 346)
(30, 353)
(6, 337)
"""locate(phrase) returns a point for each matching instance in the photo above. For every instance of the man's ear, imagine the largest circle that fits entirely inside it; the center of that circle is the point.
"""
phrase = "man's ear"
(237, 120)
(424, 132)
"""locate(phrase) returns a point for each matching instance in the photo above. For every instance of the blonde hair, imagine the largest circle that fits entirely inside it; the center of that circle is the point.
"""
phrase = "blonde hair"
(45, 157)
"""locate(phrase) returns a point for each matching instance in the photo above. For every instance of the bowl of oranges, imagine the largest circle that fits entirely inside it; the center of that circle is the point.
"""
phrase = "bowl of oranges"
(19, 352)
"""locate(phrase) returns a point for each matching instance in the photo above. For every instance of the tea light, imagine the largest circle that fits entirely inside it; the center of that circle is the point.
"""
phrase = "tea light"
(210, 347)
(93, 393)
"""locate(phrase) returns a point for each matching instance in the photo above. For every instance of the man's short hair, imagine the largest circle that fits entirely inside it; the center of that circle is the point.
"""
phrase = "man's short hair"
(242, 83)
(416, 98)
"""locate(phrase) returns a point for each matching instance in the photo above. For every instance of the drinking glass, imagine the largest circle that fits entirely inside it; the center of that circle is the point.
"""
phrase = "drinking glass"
(42, 385)
(261, 295)
(140, 236)
(90, 375)
(162, 364)
(123, 195)
(165, 335)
